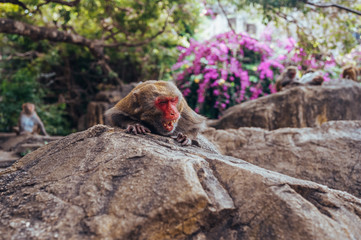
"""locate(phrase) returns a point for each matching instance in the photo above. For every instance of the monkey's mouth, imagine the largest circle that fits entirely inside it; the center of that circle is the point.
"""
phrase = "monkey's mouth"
(169, 125)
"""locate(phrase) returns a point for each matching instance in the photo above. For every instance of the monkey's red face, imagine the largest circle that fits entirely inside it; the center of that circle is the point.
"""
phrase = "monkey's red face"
(168, 107)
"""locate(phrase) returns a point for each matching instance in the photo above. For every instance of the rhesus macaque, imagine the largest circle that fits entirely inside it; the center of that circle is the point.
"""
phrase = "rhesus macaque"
(29, 121)
(158, 107)
(350, 73)
(287, 77)
(312, 77)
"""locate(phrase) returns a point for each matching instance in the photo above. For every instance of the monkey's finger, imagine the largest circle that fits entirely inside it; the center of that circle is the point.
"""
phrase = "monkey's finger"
(186, 142)
(133, 129)
(180, 136)
(129, 129)
(139, 129)
(144, 129)
(182, 139)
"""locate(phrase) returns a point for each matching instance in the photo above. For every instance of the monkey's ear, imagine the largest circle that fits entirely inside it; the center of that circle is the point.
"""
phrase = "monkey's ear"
(136, 106)
(182, 104)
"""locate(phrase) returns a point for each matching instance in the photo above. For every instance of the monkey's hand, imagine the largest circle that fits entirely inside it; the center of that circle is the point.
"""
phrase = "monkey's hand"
(183, 139)
(137, 129)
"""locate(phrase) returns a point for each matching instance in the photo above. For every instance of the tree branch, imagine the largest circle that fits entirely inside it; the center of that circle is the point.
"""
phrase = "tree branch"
(70, 4)
(148, 40)
(16, 2)
(225, 15)
(327, 5)
(96, 47)
(25, 55)
(51, 34)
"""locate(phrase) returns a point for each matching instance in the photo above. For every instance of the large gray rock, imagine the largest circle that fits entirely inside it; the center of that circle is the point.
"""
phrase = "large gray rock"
(330, 154)
(297, 107)
(105, 184)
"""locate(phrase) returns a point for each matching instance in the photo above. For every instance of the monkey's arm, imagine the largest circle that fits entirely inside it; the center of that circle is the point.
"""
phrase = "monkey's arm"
(21, 128)
(285, 81)
(189, 125)
(40, 124)
(117, 118)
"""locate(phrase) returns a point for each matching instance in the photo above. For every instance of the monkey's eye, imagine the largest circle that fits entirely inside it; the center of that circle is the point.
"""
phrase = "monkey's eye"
(174, 100)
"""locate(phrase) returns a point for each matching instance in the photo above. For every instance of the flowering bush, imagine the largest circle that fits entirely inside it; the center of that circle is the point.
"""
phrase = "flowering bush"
(229, 69)
(289, 53)
(233, 68)
(352, 58)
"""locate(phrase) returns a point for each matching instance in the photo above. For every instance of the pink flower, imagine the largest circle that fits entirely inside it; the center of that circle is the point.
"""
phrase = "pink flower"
(223, 48)
(256, 92)
(215, 92)
(224, 73)
(326, 77)
(272, 88)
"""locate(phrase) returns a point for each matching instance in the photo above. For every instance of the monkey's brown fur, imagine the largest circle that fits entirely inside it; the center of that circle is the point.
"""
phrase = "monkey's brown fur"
(287, 77)
(138, 108)
(318, 80)
(350, 73)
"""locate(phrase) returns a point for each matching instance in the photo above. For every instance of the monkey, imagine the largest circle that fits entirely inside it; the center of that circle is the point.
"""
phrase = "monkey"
(312, 77)
(287, 77)
(158, 107)
(317, 80)
(29, 121)
(350, 72)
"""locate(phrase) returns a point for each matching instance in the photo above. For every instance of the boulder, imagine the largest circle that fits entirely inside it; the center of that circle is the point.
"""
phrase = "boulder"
(7, 159)
(329, 155)
(305, 106)
(105, 184)
(13, 146)
(21, 144)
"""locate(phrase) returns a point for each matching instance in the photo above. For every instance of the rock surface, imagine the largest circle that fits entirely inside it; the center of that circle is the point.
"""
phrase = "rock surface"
(7, 159)
(329, 155)
(297, 107)
(105, 184)
(12, 146)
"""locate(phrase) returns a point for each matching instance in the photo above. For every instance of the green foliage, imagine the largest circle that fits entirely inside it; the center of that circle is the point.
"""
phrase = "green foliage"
(55, 119)
(19, 88)
(22, 87)
(145, 34)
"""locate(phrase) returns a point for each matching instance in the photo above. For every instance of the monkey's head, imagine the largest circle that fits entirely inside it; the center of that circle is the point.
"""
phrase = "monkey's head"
(291, 72)
(318, 80)
(350, 73)
(28, 108)
(157, 104)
